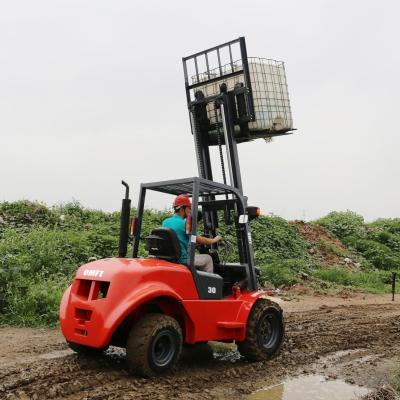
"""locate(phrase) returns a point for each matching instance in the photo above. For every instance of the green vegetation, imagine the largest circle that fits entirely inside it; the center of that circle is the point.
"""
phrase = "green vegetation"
(286, 272)
(41, 248)
(274, 240)
(371, 281)
(342, 224)
(378, 242)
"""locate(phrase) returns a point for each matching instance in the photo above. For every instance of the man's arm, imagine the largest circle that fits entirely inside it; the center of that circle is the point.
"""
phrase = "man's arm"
(208, 241)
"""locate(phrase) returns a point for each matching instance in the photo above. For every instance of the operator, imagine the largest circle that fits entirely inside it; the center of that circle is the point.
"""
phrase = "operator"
(182, 208)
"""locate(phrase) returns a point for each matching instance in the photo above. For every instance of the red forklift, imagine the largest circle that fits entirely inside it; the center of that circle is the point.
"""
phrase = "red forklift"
(151, 304)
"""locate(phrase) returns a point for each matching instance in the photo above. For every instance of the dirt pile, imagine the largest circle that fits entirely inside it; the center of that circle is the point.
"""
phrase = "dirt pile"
(325, 248)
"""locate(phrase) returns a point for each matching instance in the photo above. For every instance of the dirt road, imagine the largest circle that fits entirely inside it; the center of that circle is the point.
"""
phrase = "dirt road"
(352, 339)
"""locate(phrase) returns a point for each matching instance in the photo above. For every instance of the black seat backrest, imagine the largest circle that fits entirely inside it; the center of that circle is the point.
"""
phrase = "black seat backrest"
(163, 243)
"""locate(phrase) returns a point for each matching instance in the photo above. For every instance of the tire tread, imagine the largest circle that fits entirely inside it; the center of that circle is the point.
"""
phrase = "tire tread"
(250, 348)
(139, 340)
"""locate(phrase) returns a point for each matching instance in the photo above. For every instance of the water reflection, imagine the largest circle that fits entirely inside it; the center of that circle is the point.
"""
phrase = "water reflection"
(311, 387)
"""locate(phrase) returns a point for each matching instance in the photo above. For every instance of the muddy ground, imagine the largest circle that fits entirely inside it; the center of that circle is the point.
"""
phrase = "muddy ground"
(355, 339)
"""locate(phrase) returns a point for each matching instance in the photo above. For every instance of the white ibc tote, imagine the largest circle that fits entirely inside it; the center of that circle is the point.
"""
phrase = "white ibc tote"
(270, 95)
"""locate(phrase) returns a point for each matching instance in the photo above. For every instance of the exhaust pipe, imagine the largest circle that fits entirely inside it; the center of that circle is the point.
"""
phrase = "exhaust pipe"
(124, 224)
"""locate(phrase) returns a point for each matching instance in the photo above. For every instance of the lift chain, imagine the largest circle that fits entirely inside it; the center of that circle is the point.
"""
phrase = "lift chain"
(197, 134)
(221, 155)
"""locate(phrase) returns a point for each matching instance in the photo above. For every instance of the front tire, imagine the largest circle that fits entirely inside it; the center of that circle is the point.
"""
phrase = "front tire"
(154, 345)
(264, 332)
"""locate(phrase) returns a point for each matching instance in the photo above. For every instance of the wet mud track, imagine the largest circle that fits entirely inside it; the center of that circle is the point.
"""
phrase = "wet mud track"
(350, 341)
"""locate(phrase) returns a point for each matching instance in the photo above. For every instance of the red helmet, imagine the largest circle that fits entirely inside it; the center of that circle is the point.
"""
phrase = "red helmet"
(182, 200)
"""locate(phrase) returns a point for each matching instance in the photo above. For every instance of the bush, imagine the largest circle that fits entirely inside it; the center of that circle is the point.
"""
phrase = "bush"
(44, 251)
(377, 242)
(391, 240)
(275, 239)
(392, 225)
(23, 214)
(285, 273)
(342, 224)
(278, 275)
(34, 301)
(378, 254)
(29, 262)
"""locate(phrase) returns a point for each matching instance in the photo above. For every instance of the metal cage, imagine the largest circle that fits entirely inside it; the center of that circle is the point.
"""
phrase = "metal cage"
(261, 83)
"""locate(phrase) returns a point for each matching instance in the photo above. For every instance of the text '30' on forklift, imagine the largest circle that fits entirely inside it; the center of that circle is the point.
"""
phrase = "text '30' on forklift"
(154, 305)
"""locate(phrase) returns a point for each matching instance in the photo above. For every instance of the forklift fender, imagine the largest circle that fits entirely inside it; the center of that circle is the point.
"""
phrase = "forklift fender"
(136, 299)
(249, 301)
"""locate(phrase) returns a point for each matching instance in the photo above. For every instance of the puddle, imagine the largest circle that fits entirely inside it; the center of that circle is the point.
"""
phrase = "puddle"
(311, 387)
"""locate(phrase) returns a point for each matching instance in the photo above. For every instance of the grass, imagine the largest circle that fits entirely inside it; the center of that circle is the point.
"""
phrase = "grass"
(371, 281)
(285, 273)
(320, 278)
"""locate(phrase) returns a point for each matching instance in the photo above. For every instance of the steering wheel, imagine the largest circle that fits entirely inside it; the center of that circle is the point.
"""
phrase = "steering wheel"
(227, 248)
(202, 248)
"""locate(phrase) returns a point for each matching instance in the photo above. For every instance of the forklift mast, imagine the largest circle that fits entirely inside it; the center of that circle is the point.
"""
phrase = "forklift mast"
(231, 107)
(215, 66)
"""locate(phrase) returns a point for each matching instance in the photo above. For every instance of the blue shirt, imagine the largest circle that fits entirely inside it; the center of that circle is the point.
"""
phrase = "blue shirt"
(178, 224)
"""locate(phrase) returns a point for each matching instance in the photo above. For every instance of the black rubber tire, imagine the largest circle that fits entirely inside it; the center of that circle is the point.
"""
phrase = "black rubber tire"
(153, 337)
(265, 314)
(86, 350)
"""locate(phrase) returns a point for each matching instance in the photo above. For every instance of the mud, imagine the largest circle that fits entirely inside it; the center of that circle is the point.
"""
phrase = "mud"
(355, 340)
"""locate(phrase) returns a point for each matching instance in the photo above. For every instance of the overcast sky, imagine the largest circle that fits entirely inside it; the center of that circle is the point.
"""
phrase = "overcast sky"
(92, 92)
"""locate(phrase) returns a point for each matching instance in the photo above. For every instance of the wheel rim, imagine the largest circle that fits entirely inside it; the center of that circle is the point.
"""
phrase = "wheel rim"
(163, 348)
(269, 330)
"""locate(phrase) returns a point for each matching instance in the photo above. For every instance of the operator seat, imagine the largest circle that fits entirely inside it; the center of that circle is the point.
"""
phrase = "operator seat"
(163, 243)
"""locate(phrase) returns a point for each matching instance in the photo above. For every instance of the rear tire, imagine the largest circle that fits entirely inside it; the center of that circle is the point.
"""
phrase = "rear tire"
(154, 345)
(264, 332)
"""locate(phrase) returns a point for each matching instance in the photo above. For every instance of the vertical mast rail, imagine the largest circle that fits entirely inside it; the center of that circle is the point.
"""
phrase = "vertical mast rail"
(230, 143)
(246, 74)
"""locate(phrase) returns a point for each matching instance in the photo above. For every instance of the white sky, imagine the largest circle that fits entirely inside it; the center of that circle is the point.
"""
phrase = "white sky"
(92, 92)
